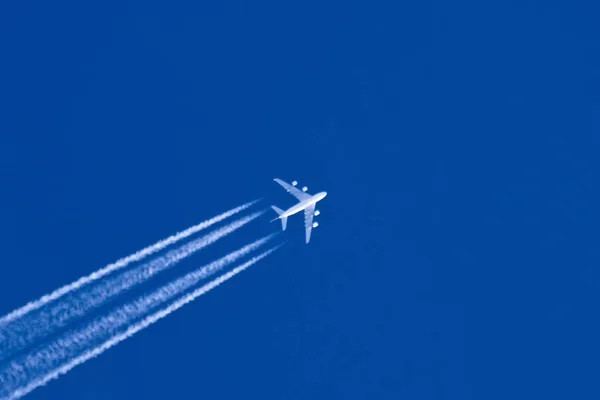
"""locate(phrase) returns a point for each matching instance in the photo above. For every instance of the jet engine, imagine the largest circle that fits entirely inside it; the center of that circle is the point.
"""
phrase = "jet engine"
(294, 183)
(317, 212)
(315, 224)
(304, 189)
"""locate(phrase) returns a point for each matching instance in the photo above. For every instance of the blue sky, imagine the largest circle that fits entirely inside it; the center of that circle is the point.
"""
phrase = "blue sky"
(457, 142)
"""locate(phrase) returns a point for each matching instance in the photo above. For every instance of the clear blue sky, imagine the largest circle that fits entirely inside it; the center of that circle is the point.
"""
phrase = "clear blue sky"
(458, 142)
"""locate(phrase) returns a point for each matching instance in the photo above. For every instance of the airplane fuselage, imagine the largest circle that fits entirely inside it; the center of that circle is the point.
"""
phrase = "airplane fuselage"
(303, 205)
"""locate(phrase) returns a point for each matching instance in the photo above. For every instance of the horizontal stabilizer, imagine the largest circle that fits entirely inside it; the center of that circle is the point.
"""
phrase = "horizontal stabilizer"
(279, 211)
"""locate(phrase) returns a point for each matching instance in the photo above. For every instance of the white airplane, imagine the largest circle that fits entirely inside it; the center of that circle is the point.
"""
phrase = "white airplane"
(307, 203)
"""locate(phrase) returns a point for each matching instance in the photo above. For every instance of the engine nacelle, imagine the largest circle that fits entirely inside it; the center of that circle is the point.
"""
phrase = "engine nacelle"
(317, 212)
(294, 183)
(304, 189)
(315, 224)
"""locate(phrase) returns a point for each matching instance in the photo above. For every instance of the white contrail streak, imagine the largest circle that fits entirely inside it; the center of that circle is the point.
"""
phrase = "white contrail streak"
(38, 369)
(24, 331)
(123, 262)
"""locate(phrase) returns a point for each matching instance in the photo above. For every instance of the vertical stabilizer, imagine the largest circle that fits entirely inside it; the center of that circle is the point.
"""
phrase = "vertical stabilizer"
(279, 211)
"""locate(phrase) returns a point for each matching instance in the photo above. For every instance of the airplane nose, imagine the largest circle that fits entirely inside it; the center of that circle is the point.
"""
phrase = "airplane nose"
(324, 194)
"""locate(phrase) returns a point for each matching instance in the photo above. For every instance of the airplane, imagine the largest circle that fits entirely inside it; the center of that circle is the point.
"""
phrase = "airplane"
(307, 203)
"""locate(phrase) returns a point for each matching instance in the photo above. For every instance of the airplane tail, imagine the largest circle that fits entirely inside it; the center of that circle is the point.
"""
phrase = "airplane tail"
(279, 211)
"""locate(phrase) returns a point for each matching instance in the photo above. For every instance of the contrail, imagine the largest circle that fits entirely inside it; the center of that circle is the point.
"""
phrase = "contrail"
(23, 332)
(38, 369)
(119, 264)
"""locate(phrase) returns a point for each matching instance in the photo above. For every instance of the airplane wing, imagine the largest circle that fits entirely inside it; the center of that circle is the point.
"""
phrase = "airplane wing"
(297, 193)
(308, 220)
